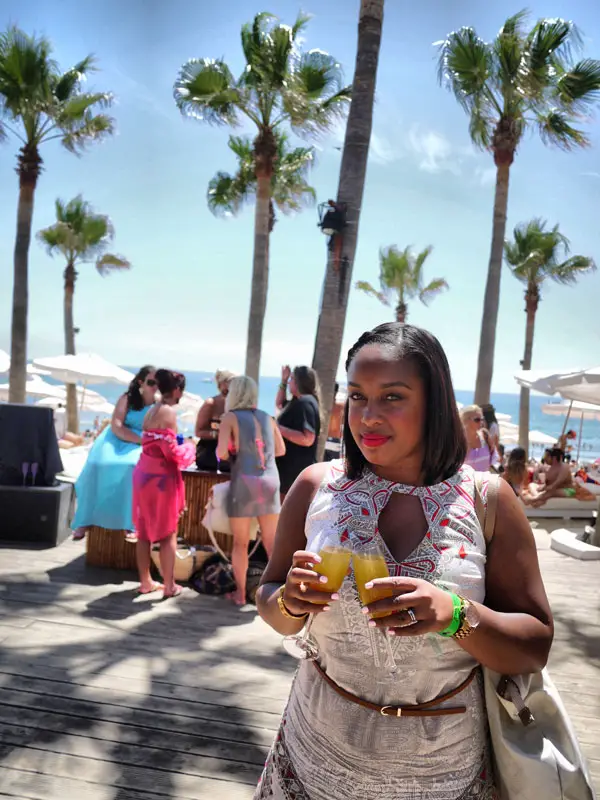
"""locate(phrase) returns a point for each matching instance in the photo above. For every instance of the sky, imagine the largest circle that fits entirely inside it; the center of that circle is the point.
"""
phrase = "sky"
(184, 303)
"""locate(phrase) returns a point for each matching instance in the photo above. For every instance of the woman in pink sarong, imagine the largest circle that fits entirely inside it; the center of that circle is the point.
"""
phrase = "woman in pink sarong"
(158, 489)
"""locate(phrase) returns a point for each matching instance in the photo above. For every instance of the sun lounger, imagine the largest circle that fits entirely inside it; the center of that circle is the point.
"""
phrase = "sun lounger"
(564, 508)
(566, 542)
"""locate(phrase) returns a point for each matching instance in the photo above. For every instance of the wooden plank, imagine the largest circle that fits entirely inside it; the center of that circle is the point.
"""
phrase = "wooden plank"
(165, 782)
(201, 743)
(25, 785)
(40, 742)
(182, 691)
(190, 708)
(240, 731)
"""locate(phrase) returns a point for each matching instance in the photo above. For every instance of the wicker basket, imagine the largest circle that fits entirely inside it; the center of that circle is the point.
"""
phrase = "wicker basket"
(188, 560)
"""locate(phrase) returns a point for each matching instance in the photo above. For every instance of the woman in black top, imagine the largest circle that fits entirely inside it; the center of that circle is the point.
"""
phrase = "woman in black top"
(299, 422)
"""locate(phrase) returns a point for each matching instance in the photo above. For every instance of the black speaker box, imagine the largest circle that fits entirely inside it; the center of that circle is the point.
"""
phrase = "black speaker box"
(29, 453)
(38, 514)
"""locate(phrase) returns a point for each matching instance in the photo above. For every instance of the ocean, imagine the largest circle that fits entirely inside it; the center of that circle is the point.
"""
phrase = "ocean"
(201, 383)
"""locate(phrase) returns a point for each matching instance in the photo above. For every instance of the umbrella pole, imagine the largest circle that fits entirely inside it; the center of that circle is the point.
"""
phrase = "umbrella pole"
(567, 418)
(82, 399)
(580, 432)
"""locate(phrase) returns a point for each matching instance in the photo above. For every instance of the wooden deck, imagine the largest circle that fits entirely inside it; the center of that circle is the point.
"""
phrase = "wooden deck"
(104, 696)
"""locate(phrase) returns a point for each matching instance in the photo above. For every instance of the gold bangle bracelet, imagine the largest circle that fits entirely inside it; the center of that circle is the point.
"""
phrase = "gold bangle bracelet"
(284, 609)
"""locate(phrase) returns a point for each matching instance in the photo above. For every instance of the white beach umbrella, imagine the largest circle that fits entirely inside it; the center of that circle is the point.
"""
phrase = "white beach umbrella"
(574, 409)
(83, 368)
(581, 385)
(4, 361)
(189, 403)
(87, 399)
(36, 387)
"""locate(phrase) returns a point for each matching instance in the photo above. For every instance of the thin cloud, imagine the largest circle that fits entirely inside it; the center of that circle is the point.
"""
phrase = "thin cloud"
(486, 176)
(433, 151)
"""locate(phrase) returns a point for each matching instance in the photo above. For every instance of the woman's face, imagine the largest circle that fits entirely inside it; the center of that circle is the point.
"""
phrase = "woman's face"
(223, 388)
(148, 388)
(386, 408)
(473, 422)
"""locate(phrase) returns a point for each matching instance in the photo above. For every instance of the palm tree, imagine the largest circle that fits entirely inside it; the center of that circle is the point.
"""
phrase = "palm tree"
(39, 103)
(535, 255)
(524, 79)
(280, 85)
(290, 190)
(401, 279)
(338, 276)
(80, 236)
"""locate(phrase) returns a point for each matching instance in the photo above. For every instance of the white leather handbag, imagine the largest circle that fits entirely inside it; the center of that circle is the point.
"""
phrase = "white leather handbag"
(535, 749)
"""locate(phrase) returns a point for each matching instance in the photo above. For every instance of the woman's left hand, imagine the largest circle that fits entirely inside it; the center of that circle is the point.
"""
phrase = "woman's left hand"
(431, 606)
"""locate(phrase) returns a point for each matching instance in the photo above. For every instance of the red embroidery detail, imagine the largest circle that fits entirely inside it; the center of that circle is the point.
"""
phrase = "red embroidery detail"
(345, 536)
(462, 552)
(444, 523)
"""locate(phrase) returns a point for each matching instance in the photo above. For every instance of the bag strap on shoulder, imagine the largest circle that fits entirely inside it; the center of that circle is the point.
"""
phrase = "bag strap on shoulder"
(487, 517)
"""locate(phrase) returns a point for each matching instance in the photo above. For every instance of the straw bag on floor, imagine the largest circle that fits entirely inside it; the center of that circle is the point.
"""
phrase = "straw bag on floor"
(535, 749)
(188, 560)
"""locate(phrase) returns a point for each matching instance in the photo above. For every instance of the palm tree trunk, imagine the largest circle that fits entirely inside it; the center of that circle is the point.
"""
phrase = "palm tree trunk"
(72, 411)
(338, 276)
(260, 276)
(487, 340)
(401, 311)
(29, 164)
(530, 310)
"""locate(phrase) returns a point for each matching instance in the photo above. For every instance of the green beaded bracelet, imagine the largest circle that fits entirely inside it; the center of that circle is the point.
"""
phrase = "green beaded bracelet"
(457, 612)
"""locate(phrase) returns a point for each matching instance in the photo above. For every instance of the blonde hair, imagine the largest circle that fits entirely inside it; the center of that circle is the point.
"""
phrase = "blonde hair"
(243, 393)
(466, 412)
(223, 376)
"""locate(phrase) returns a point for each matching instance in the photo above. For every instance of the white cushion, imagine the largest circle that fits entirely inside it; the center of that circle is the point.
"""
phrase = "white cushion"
(566, 542)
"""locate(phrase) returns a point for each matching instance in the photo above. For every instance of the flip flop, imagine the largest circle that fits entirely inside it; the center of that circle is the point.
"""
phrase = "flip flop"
(155, 588)
(131, 537)
(79, 534)
(176, 593)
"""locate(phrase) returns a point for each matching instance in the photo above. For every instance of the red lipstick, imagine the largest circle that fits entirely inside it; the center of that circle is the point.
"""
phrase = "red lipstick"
(374, 440)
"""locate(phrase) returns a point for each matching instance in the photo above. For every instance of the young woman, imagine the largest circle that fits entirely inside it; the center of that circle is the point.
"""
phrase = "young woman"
(299, 422)
(481, 452)
(254, 491)
(105, 485)
(158, 489)
(450, 605)
(208, 422)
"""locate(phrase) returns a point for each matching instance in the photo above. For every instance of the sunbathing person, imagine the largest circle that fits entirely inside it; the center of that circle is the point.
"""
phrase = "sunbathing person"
(559, 483)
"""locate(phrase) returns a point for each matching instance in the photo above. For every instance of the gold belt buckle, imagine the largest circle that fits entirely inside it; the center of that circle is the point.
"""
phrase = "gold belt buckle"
(383, 710)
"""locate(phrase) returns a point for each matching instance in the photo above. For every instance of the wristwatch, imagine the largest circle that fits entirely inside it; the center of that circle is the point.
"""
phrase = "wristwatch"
(469, 619)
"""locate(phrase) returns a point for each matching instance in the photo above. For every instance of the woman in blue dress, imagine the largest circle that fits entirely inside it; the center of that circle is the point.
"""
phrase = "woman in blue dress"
(105, 487)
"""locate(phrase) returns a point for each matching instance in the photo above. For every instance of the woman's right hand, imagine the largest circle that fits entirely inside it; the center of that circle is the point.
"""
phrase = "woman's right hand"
(299, 596)
(285, 373)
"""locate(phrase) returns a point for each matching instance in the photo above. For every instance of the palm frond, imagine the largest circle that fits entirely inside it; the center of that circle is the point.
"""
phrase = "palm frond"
(267, 46)
(111, 262)
(555, 128)
(227, 193)
(465, 65)
(433, 288)
(26, 71)
(569, 271)
(87, 129)
(69, 82)
(365, 286)
(205, 89)
(302, 21)
(579, 87)
(508, 51)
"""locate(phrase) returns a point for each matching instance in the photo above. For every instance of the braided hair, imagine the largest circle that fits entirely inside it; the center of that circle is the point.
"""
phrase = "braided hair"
(135, 401)
(444, 446)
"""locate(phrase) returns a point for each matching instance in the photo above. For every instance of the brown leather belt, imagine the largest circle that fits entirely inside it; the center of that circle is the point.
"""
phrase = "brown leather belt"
(418, 710)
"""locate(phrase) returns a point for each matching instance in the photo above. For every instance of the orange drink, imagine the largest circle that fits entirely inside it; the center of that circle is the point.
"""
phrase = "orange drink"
(367, 567)
(334, 565)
